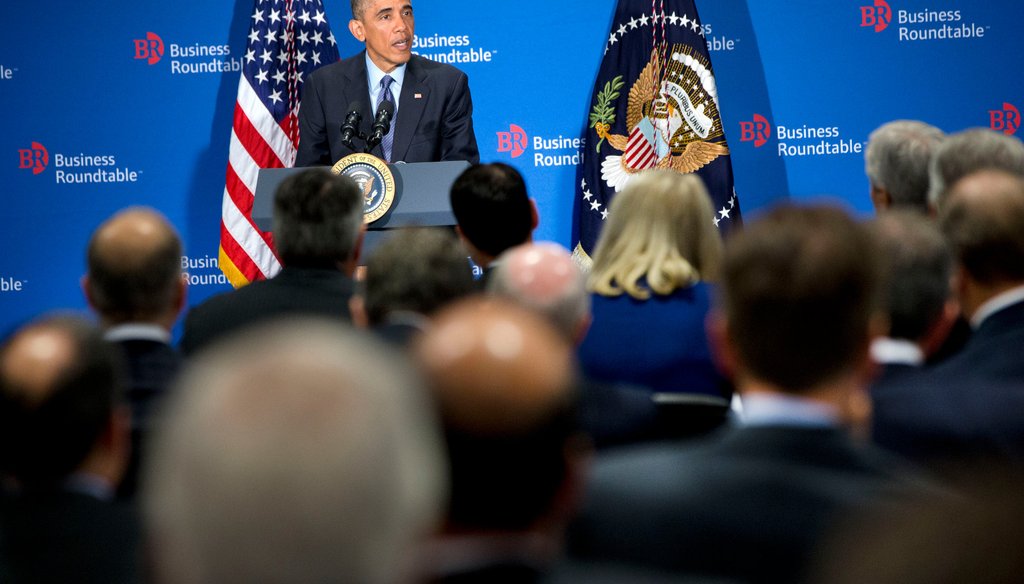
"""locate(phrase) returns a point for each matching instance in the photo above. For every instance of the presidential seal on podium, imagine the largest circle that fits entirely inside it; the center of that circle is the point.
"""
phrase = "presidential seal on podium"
(374, 178)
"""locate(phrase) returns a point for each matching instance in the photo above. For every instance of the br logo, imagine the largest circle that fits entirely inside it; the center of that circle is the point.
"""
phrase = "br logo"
(1006, 120)
(151, 48)
(757, 131)
(513, 141)
(878, 16)
(35, 158)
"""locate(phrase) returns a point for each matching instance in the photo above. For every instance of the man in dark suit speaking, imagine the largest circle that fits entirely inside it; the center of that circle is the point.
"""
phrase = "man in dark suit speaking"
(433, 110)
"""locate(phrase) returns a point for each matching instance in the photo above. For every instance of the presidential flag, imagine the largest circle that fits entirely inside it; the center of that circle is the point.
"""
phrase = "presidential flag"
(654, 105)
(288, 39)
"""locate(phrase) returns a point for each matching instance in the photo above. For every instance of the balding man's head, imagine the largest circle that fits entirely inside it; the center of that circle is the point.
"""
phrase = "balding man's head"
(134, 261)
(59, 384)
(504, 379)
(544, 277)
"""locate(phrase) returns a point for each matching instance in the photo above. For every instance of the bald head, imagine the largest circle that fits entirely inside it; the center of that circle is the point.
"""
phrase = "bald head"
(545, 278)
(134, 261)
(504, 380)
(59, 383)
(983, 219)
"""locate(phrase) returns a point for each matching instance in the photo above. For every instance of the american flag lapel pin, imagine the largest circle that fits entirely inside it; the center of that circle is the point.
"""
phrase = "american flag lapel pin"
(417, 96)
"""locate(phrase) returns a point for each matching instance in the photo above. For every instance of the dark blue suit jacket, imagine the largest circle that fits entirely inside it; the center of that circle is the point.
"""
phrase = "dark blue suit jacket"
(434, 120)
(967, 407)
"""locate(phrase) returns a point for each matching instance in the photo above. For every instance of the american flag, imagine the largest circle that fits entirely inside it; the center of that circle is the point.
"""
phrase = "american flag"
(288, 39)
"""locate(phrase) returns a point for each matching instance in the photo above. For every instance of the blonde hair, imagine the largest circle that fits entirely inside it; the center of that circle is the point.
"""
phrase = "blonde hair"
(659, 228)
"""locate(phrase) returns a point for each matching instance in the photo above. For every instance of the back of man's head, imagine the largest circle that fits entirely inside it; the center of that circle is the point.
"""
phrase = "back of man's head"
(134, 262)
(318, 218)
(491, 207)
(416, 270)
(983, 219)
(968, 152)
(59, 385)
(545, 278)
(918, 265)
(299, 453)
(800, 288)
(896, 162)
(504, 379)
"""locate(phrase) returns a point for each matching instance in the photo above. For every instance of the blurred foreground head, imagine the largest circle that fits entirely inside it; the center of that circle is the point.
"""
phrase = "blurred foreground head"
(301, 452)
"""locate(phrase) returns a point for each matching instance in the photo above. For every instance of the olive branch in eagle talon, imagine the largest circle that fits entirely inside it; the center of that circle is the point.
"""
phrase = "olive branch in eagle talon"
(603, 115)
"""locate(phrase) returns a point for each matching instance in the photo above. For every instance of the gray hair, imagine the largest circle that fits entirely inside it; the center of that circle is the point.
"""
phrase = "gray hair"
(897, 159)
(918, 263)
(303, 452)
(967, 152)
(317, 218)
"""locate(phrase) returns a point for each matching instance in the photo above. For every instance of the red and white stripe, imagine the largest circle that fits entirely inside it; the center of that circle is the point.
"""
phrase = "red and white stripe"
(640, 153)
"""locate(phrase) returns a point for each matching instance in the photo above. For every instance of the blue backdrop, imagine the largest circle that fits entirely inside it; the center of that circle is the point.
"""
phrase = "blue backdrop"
(96, 119)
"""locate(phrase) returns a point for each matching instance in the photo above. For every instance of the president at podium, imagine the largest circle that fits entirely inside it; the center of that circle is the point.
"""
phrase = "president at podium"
(432, 109)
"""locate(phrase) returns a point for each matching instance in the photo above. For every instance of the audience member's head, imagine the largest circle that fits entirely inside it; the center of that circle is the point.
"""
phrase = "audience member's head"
(659, 237)
(801, 290)
(60, 389)
(896, 162)
(544, 277)
(134, 263)
(968, 152)
(318, 221)
(417, 270)
(492, 210)
(504, 380)
(302, 452)
(983, 218)
(918, 265)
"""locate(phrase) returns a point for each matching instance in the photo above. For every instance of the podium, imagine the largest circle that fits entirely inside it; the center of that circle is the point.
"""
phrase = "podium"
(421, 198)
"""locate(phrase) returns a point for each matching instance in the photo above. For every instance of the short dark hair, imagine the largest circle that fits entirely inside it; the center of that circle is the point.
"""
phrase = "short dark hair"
(317, 219)
(986, 229)
(918, 265)
(137, 284)
(44, 441)
(417, 269)
(799, 289)
(491, 206)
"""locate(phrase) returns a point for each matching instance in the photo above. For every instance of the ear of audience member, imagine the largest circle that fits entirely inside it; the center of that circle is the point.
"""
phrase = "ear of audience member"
(652, 281)
(135, 285)
(968, 152)
(300, 452)
(896, 162)
(545, 278)
(799, 306)
(318, 234)
(63, 448)
(492, 211)
(504, 382)
(409, 277)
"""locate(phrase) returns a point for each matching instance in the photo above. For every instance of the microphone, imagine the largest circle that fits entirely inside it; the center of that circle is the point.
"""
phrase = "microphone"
(350, 129)
(381, 124)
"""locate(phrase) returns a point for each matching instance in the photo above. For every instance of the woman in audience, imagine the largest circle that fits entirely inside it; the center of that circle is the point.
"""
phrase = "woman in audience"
(650, 282)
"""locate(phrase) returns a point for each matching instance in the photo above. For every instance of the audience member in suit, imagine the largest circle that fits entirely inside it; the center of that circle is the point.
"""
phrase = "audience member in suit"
(896, 162)
(969, 406)
(134, 284)
(318, 233)
(651, 280)
(545, 278)
(504, 381)
(492, 211)
(410, 276)
(800, 297)
(305, 451)
(919, 266)
(64, 441)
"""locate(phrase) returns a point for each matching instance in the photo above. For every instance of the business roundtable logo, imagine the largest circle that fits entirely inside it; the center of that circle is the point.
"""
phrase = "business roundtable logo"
(451, 49)
(1005, 120)
(75, 168)
(547, 151)
(920, 25)
(798, 141)
(186, 59)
